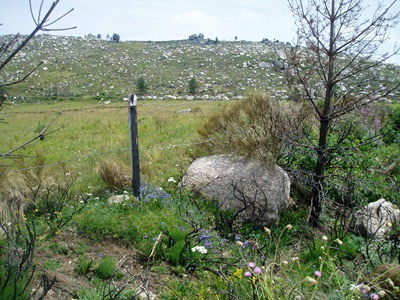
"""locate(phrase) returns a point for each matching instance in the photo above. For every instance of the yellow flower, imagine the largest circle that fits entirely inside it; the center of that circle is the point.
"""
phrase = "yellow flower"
(238, 273)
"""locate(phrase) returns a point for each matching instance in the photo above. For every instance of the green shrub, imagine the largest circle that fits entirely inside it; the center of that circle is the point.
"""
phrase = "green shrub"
(391, 130)
(106, 267)
(141, 86)
(193, 85)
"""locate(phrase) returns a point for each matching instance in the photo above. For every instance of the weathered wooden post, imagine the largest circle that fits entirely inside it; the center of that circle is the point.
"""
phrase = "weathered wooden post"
(132, 101)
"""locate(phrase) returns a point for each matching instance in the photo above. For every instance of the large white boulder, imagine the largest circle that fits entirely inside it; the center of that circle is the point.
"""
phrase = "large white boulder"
(376, 219)
(258, 191)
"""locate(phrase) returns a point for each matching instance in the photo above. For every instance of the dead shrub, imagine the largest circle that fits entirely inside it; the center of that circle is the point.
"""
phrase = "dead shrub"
(257, 127)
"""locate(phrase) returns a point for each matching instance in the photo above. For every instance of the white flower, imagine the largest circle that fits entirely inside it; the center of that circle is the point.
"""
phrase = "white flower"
(171, 179)
(200, 249)
(239, 243)
(339, 242)
(267, 230)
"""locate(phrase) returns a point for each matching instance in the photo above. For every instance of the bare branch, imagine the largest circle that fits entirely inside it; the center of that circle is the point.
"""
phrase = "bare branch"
(22, 79)
(40, 26)
(40, 136)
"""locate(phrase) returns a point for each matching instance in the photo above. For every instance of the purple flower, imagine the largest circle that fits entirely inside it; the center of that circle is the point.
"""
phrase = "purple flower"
(374, 296)
(257, 270)
(317, 274)
(252, 265)
(247, 274)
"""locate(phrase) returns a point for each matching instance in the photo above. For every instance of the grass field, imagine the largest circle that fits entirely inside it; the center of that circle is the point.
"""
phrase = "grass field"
(87, 132)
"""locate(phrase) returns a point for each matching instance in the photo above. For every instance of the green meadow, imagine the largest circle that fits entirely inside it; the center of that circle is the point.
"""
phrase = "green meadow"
(86, 132)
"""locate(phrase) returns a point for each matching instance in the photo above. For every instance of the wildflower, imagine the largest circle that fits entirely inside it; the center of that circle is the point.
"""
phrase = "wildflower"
(171, 179)
(298, 297)
(381, 293)
(257, 270)
(238, 273)
(247, 274)
(389, 282)
(311, 280)
(267, 230)
(284, 262)
(339, 242)
(317, 274)
(374, 296)
(324, 238)
(289, 226)
(200, 249)
(252, 265)
(239, 243)
(295, 258)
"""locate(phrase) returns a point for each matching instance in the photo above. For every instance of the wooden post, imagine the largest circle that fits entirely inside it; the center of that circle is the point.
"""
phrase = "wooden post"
(132, 101)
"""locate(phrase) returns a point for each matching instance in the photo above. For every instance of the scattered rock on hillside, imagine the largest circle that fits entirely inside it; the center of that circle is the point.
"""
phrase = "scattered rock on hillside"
(259, 191)
(376, 218)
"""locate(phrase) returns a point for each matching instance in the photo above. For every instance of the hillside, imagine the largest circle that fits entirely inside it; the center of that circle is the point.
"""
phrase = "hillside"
(79, 67)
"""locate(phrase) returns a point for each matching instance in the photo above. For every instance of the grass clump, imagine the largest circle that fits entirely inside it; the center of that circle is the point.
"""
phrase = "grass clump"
(105, 268)
(115, 174)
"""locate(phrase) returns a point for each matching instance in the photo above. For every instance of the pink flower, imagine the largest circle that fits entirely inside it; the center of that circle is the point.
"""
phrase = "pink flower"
(317, 274)
(257, 270)
(252, 265)
(247, 274)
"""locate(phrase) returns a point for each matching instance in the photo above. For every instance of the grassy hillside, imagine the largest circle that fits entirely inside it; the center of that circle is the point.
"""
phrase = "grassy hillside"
(78, 67)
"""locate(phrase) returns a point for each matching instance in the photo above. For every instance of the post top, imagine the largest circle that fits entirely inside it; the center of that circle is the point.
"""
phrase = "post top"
(132, 100)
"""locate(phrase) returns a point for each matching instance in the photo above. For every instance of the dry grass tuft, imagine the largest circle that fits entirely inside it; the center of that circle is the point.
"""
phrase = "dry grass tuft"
(115, 174)
(13, 191)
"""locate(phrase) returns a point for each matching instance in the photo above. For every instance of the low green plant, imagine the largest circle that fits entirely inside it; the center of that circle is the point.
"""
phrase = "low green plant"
(59, 248)
(83, 265)
(105, 268)
(52, 264)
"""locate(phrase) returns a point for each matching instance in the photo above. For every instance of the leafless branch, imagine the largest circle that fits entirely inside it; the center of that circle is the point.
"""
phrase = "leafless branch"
(40, 26)
(40, 136)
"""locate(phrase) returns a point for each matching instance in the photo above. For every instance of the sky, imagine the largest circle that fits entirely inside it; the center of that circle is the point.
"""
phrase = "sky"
(160, 20)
